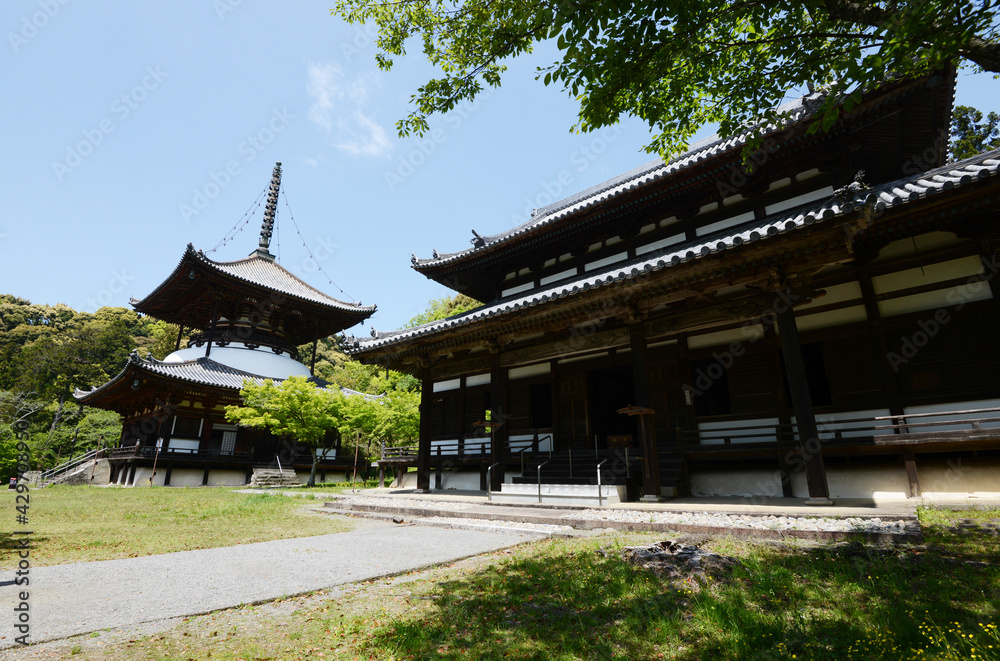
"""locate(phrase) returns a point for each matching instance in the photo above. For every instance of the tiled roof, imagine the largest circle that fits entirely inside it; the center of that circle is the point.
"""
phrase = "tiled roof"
(202, 371)
(270, 275)
(879, 198)
(650, 172)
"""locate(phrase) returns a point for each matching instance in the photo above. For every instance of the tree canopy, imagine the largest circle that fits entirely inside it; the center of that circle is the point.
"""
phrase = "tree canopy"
(294, 408)
(972, 134)
(681, 64)
(442, 308)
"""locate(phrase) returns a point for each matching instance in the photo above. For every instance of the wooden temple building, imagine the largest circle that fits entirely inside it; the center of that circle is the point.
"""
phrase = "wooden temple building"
(249, 317)
(817, 321)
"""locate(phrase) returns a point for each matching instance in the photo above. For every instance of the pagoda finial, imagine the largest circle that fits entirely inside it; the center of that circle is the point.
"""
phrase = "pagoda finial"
(272, 204)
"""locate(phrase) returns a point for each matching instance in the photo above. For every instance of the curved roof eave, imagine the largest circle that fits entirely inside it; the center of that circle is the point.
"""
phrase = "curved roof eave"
(259, 272)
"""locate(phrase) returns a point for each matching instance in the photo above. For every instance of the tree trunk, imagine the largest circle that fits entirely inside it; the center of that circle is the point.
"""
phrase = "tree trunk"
(55, 425)
(312, 473)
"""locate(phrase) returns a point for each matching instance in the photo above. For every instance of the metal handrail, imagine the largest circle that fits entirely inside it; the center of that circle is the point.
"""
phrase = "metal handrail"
(489, 481)
(600, 500)
(71, 464)
(538, 471)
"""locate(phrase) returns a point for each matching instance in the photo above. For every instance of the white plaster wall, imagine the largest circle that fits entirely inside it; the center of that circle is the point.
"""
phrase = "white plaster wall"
(142, 477)
(961, 476)
(260, 361)
(757, 482)
(464, 480)
(881, 481)
(405, 481)
(185, 477)
(226, 478)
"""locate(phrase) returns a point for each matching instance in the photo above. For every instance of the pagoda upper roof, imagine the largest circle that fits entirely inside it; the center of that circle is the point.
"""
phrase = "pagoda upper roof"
(187, 295)
(891, 196)
(492, 256)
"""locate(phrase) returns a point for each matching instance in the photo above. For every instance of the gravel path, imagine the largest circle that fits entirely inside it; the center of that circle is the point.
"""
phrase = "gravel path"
(71, 599)
(771, 522)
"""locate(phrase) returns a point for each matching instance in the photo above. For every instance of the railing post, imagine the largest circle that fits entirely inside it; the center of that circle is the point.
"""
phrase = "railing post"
(489, 483)
(600, 499)
(538, 471)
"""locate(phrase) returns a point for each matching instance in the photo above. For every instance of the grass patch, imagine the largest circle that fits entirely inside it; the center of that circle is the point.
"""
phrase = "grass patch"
(562, 599)
(80, 523)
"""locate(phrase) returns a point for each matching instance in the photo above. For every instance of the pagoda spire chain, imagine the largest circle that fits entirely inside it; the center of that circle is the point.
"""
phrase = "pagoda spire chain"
(267, 226)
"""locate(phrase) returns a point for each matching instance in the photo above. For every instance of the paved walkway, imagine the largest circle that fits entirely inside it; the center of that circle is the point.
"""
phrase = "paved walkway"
(67, 600)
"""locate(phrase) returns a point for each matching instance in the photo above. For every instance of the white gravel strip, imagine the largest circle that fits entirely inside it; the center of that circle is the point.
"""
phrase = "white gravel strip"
(771, 522)
(428, 503)
(488, 524)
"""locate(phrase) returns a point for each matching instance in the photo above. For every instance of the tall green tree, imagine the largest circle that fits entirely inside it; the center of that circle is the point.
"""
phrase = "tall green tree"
(972, 134)
(442, 308)
(679, 64)
(295, 409)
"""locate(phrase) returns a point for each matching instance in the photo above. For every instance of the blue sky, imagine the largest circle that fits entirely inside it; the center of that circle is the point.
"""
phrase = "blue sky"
(132, 129)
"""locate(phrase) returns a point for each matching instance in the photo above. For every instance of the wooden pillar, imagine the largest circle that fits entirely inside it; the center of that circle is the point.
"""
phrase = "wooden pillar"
(911, 472)
(498, 407)
(647, 427)
(180, 334)
(424, 446)
(312, 363)
(783, 440)
(204, 478)
(809, 447)
(166, 478)
(211, 331)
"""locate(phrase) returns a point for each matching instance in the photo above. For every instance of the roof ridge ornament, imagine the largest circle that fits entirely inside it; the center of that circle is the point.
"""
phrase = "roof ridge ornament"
(267, 227)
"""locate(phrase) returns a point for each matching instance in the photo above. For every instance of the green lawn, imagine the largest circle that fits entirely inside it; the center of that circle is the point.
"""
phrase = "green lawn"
(563, 599)
(77, 524)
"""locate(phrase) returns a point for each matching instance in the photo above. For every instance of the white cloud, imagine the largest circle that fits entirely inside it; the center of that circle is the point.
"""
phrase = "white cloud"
(339, 108)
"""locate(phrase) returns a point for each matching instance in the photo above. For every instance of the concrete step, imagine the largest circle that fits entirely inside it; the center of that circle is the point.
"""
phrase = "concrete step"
(272, 477)
(572, 494)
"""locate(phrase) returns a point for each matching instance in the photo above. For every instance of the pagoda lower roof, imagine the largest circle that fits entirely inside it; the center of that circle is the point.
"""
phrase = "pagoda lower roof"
(890, 196)
(197, 281)
(203, 372)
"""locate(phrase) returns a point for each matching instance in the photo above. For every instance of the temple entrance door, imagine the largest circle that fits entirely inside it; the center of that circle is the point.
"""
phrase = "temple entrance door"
(573, 428)
(611, 389)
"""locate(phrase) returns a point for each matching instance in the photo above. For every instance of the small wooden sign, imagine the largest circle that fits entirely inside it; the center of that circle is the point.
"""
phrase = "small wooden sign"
(620, 441)
(636, 410)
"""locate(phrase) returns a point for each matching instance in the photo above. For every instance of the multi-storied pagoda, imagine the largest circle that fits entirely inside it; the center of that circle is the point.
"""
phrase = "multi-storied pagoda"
(815, 321)
(248, 317)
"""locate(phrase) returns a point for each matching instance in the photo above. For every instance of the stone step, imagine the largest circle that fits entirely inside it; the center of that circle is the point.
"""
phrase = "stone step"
(575, 494)
(272, 477)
